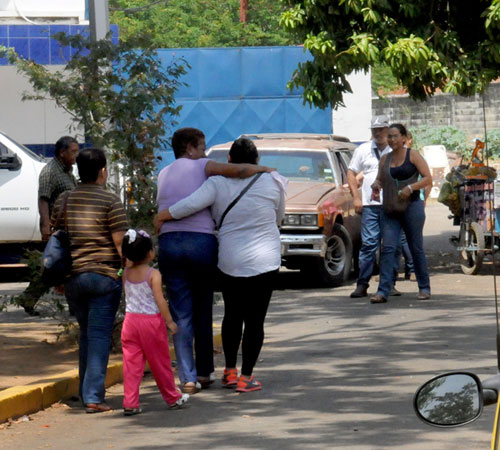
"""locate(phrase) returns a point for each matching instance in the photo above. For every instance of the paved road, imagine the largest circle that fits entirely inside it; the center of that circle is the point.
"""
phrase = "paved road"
(337, 373)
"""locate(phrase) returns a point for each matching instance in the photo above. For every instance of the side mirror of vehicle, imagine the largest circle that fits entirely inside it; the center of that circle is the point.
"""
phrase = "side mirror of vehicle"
(9, 160)
(449, 400)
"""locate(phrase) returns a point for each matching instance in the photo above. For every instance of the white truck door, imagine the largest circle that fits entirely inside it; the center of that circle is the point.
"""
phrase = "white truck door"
(19, 170)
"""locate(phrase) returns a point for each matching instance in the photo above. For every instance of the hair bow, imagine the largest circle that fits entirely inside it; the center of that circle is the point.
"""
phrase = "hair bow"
(132, 234)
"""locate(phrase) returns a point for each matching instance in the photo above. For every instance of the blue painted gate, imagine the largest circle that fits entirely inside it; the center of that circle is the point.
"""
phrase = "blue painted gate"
(232, 91)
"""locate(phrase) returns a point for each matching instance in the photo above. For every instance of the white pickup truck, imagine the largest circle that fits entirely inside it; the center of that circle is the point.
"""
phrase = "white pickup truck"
(19, 171)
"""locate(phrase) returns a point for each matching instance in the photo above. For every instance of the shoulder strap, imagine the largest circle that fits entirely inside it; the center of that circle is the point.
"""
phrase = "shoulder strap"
(388, 161)
(148, 275)
(236, 200)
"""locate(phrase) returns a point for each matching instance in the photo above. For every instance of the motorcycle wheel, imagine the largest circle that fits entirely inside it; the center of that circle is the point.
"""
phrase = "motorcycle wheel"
(471, 261)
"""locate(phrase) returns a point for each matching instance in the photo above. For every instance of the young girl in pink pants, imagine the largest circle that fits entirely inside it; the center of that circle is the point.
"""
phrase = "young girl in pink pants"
(144, 335)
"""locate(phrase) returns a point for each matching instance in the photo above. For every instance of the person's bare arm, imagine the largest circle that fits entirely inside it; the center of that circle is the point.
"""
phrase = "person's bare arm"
(161, 217)
(117, 240)
(352, 181)
(426, 181)
(43, 210)
(234, 170)
(156, 286)
(359, 178)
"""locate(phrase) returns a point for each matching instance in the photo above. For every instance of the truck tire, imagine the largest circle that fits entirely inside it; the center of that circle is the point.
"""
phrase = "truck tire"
(334, 268)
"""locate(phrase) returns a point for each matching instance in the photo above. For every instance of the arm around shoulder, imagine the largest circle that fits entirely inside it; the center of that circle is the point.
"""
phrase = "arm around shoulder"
(234, 170)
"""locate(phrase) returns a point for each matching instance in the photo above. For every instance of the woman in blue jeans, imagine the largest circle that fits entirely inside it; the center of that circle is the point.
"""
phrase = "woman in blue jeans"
(96, 223)
(400, 165)
(188, 255)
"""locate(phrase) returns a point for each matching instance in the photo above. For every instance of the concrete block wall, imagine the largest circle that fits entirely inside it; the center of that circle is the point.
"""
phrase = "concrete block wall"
(465, 113)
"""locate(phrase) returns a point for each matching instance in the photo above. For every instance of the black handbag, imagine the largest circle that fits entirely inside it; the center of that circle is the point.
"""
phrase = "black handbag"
(56, 258)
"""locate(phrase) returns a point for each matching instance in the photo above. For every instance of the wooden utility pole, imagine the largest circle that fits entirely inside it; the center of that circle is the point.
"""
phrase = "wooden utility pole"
(243, 11)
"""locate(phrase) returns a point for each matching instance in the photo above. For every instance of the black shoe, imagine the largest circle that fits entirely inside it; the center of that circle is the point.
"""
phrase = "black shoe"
(395, 293)
(360, 291)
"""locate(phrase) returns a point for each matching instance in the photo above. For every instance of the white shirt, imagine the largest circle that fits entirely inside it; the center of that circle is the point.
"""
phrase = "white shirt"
(249, 238)
(365, 160)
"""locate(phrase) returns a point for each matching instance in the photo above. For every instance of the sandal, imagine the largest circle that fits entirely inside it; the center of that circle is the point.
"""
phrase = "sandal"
(377, 298)
(191, 387)
(92, 408)
(131, 411)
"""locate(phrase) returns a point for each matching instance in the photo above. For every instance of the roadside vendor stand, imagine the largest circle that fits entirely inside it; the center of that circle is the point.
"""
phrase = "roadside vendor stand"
(473, 196)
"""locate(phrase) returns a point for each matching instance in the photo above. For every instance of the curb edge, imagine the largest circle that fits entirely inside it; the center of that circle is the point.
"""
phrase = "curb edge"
(21, 400)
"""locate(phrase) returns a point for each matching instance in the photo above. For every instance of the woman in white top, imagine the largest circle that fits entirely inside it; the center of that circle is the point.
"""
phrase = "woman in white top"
(249, 255)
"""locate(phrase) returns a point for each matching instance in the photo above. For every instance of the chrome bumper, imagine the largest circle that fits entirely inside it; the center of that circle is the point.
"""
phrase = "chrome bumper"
(303, 245)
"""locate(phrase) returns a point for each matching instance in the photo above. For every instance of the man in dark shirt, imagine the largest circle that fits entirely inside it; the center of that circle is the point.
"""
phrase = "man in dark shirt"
(55, 178)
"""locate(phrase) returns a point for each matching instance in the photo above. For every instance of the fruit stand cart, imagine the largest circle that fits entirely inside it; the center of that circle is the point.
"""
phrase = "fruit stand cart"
(475, 208)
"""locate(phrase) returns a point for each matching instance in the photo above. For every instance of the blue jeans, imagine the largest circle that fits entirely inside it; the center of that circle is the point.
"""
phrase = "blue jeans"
(370, 239)
(412, 222)
(94, 298)
(187, 262)
(404, 248)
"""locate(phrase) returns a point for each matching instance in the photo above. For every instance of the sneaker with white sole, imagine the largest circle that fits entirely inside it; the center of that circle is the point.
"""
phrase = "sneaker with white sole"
(180, 403)
(207, 381)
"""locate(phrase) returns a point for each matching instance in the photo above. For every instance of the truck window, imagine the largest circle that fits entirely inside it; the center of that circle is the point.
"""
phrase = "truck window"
(22, 148)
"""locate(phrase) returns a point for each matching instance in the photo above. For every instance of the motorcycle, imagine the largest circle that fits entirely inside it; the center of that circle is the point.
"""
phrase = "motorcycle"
(455, 399)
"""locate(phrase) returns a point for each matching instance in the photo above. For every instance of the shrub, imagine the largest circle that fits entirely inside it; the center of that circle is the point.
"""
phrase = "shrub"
(494, 143)
(451, 137)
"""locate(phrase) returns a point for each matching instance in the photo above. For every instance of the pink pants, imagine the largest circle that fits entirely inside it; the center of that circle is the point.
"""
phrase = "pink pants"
(144, 337)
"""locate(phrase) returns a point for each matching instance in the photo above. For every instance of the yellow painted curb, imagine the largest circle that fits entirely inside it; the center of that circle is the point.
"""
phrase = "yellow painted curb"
(20, 400)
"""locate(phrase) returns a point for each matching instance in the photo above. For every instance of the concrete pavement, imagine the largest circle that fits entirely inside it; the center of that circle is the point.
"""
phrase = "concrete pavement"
(30, 382)
(337, 373)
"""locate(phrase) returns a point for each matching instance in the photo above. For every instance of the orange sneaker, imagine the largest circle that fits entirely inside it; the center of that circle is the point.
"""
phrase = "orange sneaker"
(248, 384)
(230, 378)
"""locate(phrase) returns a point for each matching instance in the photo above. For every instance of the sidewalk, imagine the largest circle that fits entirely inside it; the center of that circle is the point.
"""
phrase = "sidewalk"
(38, 362)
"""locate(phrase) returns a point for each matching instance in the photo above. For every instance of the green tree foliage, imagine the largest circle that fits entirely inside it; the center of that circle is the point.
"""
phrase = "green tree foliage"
(120, 96)
(450, 45)
(200, 23)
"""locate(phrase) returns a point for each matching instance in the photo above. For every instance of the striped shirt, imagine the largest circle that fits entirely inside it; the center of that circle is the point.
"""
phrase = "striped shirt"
(92, 215)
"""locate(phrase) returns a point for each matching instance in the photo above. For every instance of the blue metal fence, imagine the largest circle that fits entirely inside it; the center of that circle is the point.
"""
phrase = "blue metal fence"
(229, 92)
(232, 91)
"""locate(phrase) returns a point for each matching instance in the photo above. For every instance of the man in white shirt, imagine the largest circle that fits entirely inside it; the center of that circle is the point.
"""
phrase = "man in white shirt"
(366, 160)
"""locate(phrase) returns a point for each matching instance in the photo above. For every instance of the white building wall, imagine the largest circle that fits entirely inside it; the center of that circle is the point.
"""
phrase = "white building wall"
(353, 120)
(29, 122)
(42, 11)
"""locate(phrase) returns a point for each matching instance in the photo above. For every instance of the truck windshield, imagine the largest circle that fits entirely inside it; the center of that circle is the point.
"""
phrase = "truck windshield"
(297, 165)
(24, 149)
